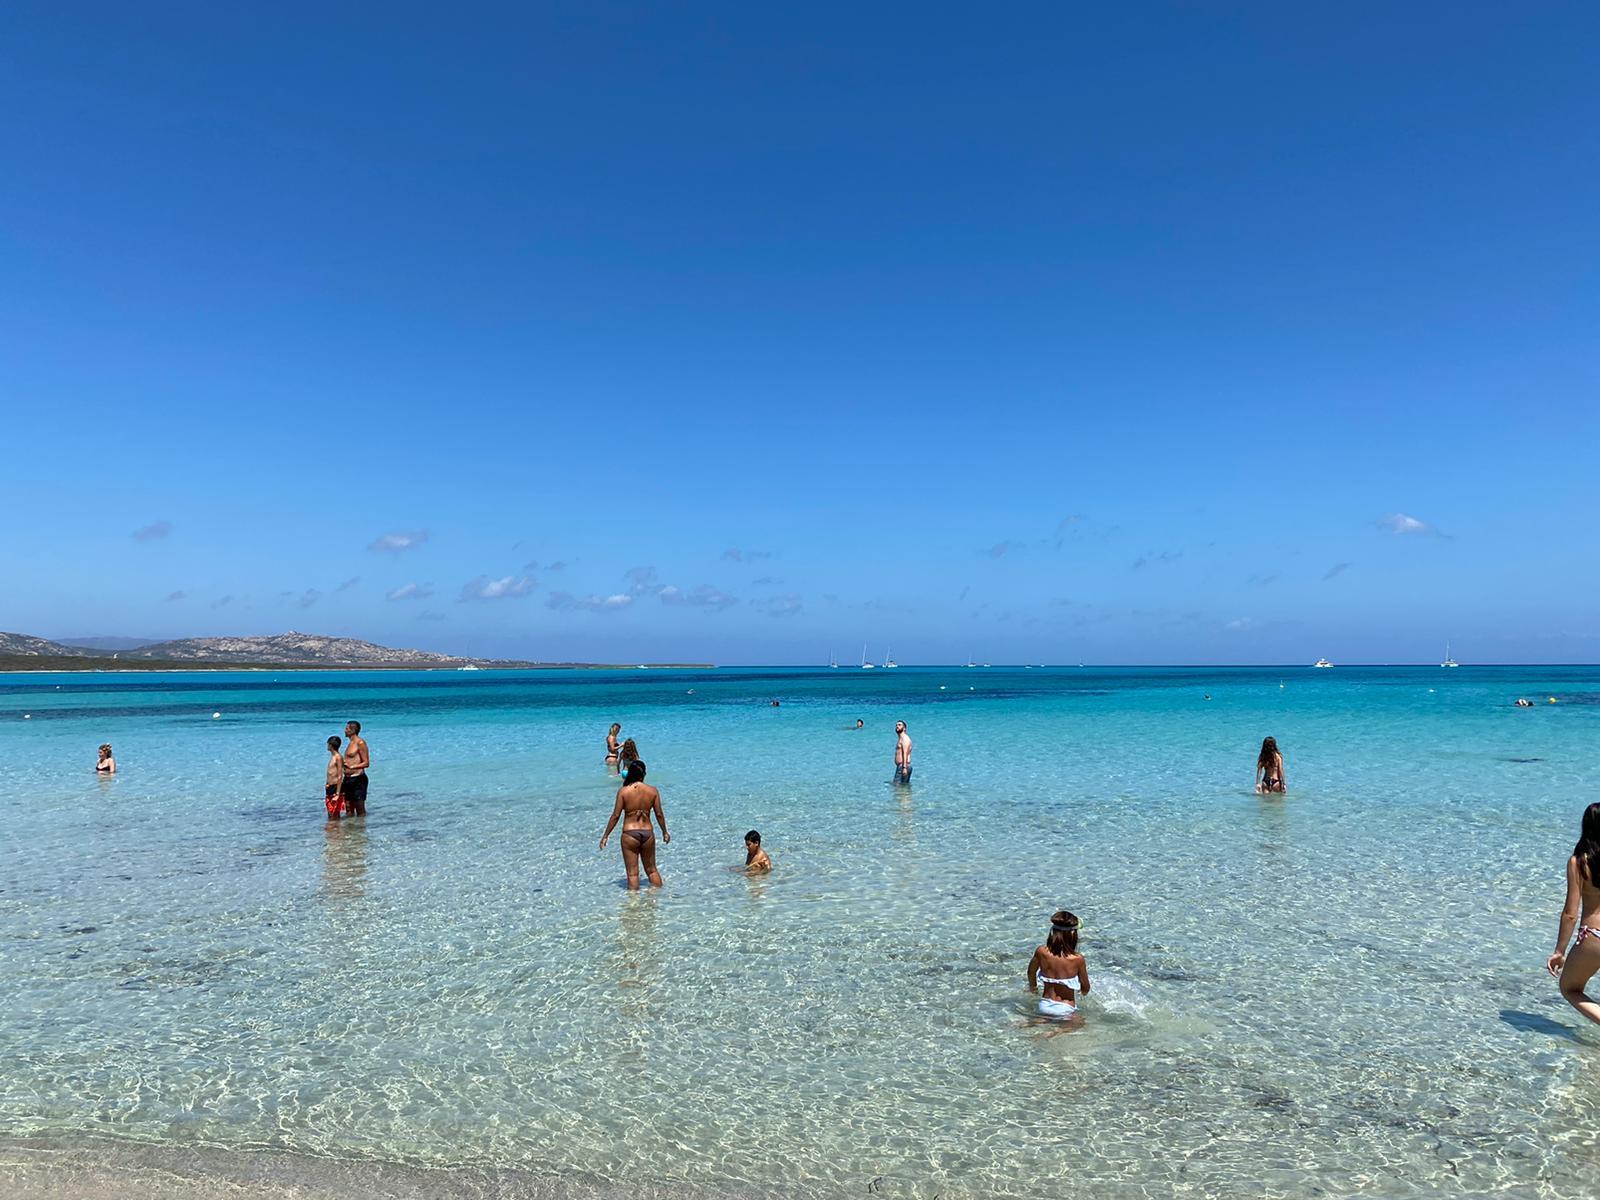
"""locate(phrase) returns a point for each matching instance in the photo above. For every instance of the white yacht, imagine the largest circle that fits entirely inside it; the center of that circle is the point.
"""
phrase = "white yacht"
(1322, 662)
(865, 665)
(1448, 661)
(888, 660)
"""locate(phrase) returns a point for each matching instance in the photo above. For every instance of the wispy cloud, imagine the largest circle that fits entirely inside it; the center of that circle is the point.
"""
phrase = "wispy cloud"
(410, 591)
(222, 601)
(1241, 624)
(782, 606)
(766, 581)
(153, 532)
(171, 596)
(348, 584)
(641, 581)
(1001, 549)
(1066, 526)
(1263, 580)
(1404, 523)
(309, 597)
(734, 554)
(1336, 570)
(507, 588)
(703, 596)
(430, 615)
(567, 602)
(394, 543)
(1154, 559)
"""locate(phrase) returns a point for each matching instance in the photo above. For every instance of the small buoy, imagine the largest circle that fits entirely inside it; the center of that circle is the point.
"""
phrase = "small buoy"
(941, 687)
(216, 716)
(27, 716)
(1552, 699)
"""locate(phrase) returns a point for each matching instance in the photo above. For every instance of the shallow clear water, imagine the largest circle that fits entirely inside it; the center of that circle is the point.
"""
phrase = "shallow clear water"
(1341, 990)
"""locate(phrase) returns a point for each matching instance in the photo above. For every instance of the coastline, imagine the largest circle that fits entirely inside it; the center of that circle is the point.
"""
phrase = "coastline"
(257, 668)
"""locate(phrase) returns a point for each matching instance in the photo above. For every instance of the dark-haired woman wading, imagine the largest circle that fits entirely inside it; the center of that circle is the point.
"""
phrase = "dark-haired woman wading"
(1269, 769)
(636, 803)
(1060, 968)
(1574, 967)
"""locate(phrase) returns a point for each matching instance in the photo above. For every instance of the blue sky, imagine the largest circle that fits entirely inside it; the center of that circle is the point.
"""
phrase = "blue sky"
(723, 332)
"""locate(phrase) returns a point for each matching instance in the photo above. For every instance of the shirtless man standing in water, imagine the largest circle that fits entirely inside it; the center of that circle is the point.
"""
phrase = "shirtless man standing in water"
(902, 753)
(636, 803)
(356, 761)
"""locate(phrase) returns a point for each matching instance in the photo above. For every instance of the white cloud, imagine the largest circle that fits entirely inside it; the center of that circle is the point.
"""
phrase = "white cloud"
(1401, 523)
(507, 588)
(153, 532)
(782, 606)
(567, 602)
(410, 591)
(1241, 624)
(704, 596)
(394, 543)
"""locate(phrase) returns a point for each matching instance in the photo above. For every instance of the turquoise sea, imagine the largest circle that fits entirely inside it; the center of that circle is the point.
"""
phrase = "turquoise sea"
(1336, 992)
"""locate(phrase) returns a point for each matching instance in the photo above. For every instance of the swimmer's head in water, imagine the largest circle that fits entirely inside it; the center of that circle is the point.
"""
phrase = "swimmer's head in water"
(635, 772)
(859, 723)
(333, 743)
(753, 838)
(1063, 933)
(105, 750)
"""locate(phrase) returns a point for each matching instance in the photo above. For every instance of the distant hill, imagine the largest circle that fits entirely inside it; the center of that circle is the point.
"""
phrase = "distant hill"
(290, 649)
(105, 643)
(20, 644)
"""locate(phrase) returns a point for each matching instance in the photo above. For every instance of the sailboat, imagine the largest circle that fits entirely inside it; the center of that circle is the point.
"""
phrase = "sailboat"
(1448, 661)
(888, 659)
(865, 665)
(1322, 662)
(833, 660)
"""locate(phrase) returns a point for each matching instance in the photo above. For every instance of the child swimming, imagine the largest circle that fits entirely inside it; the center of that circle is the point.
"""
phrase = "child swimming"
(1058, 965)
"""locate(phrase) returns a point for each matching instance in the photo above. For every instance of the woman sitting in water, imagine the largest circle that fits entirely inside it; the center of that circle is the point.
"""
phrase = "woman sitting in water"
(107, 764)
(636, 802)
(628, 755)
(1269, 768)
(1575, 967)
(1058, 965)
(613, 751)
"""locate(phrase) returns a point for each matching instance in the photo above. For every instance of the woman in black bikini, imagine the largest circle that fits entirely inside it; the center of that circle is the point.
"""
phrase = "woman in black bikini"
(1575, 967)
(1269, 768)
(636, 803)
(613, 750)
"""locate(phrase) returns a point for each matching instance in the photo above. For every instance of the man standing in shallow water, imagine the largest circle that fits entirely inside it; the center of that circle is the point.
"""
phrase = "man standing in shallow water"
(902, 753)
(356, 761)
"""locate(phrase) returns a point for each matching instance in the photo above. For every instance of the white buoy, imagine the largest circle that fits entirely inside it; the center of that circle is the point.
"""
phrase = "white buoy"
(216, 716)
(27, 716)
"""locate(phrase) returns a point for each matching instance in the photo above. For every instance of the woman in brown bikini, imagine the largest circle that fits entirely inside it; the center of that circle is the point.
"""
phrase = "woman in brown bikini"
(636, 803)
(613, 749)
